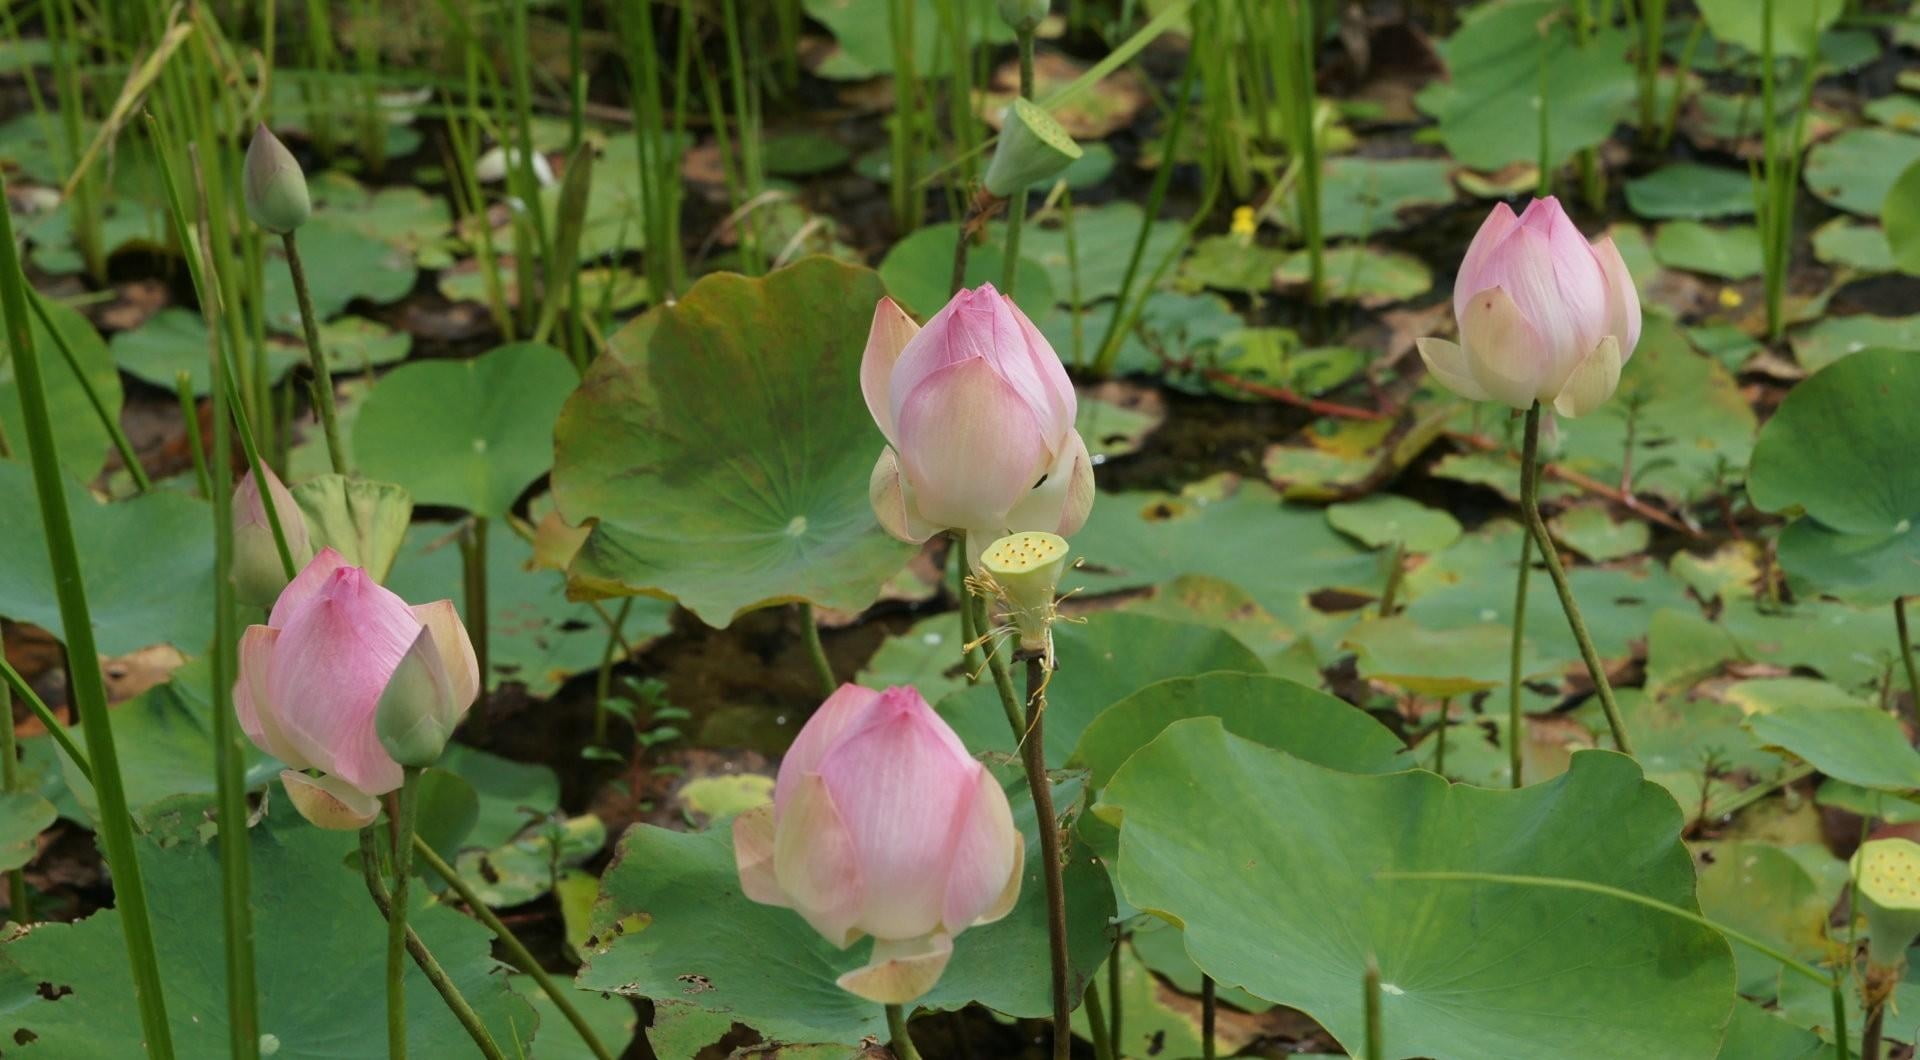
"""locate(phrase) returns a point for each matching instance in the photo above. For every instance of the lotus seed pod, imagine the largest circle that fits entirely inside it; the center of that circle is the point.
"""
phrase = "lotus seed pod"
(1024, 15)
(1027, 567)
(1888, 871)
(1033, 148)
(276, 189)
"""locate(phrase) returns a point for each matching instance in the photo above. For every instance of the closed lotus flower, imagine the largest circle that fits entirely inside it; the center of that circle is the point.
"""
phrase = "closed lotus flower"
(338, 649)
(883, 825)
(978, 415)
(1543, 315)
(258, 574)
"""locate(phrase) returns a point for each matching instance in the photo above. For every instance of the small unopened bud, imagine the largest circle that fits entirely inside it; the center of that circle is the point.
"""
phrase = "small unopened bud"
(258, 572)
(276, 188)
(1033, 148)
(328, 802)
(1023, 15)
(417, 713)
(1026, 569)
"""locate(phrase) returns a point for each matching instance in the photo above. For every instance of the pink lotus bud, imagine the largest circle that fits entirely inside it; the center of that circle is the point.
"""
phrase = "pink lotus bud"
(1543, 314)
(883, 825)
(258, 574)
(312, 678)
(978, 415)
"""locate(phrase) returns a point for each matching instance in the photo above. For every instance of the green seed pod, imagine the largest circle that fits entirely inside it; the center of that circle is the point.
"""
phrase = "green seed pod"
(1032, 148)
(1027, 567)
(276, 188)
(1023, 15)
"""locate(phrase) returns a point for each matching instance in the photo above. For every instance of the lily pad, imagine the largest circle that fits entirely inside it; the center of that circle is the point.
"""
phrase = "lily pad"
(174, 340)
(79, 440)
(23, 815)
(310, 911)
(1271, 711)
(1693, 191)
(1840, 447)
(1594, 533)
(342, 264)
(1856, 245)
(147, 562)
(863, 30)
(1103, 238)
(704, 948)
(469, 434)
(1860, 745)
(724, 458)
(1363, 196)
(1368, 275)
(1732, 252)
(1436, 662)
(1901, 214)
(1490, 970)
(1856, 169)
(1385, 520)
(1797, 24)
(1489, 108)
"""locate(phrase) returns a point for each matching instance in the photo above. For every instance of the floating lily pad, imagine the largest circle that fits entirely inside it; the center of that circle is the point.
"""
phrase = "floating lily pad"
(342, 263)
(1861, 744)
(1495, 969)
(1844, 241)
(926, 656)
(311, 911)
(1228, 263)
(1840, 447)
(863, 30)
(174, 340)
(79, 439)
(147, 562)
(1489, 109)
(1360, 197)
(723, 495)
(1385, 520)
(703, 948)
(1103, 238)
(1830, 338)
(1436, 662)
(1271, 711)
(23, 816)
(1367, 275)
(800, 154)
(470, 434)
(1693, 191)
(1765, 892)
(918, 269)
(1797, 24)
(1594, 533)
(1857, 168)
(1732, 252)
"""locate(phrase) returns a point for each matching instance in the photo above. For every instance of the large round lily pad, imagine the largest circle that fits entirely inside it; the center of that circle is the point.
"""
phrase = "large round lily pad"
(470, 434)
(1841, 446)
(723, 456)
(1468, 969)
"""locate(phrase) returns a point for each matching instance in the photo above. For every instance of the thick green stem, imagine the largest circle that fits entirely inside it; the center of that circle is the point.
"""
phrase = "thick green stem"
(816, 652)
(402, 825)
(1906, 649)
(323, 401)
(517, 951)
(1530, 506)
(88, 687)
(422, 957)
(1516, 719)
(1033, 755)
(898, 1039)
(969, 632)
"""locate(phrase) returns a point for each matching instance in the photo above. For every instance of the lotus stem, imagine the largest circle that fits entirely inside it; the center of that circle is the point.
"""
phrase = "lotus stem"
(816, 652)
(1516, 720)
(897, 1036)
(323, 401)
(1033, 754)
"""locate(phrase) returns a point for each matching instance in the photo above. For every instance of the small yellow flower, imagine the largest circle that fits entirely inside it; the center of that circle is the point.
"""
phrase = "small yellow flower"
(1730, 298)
(1243, 223)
